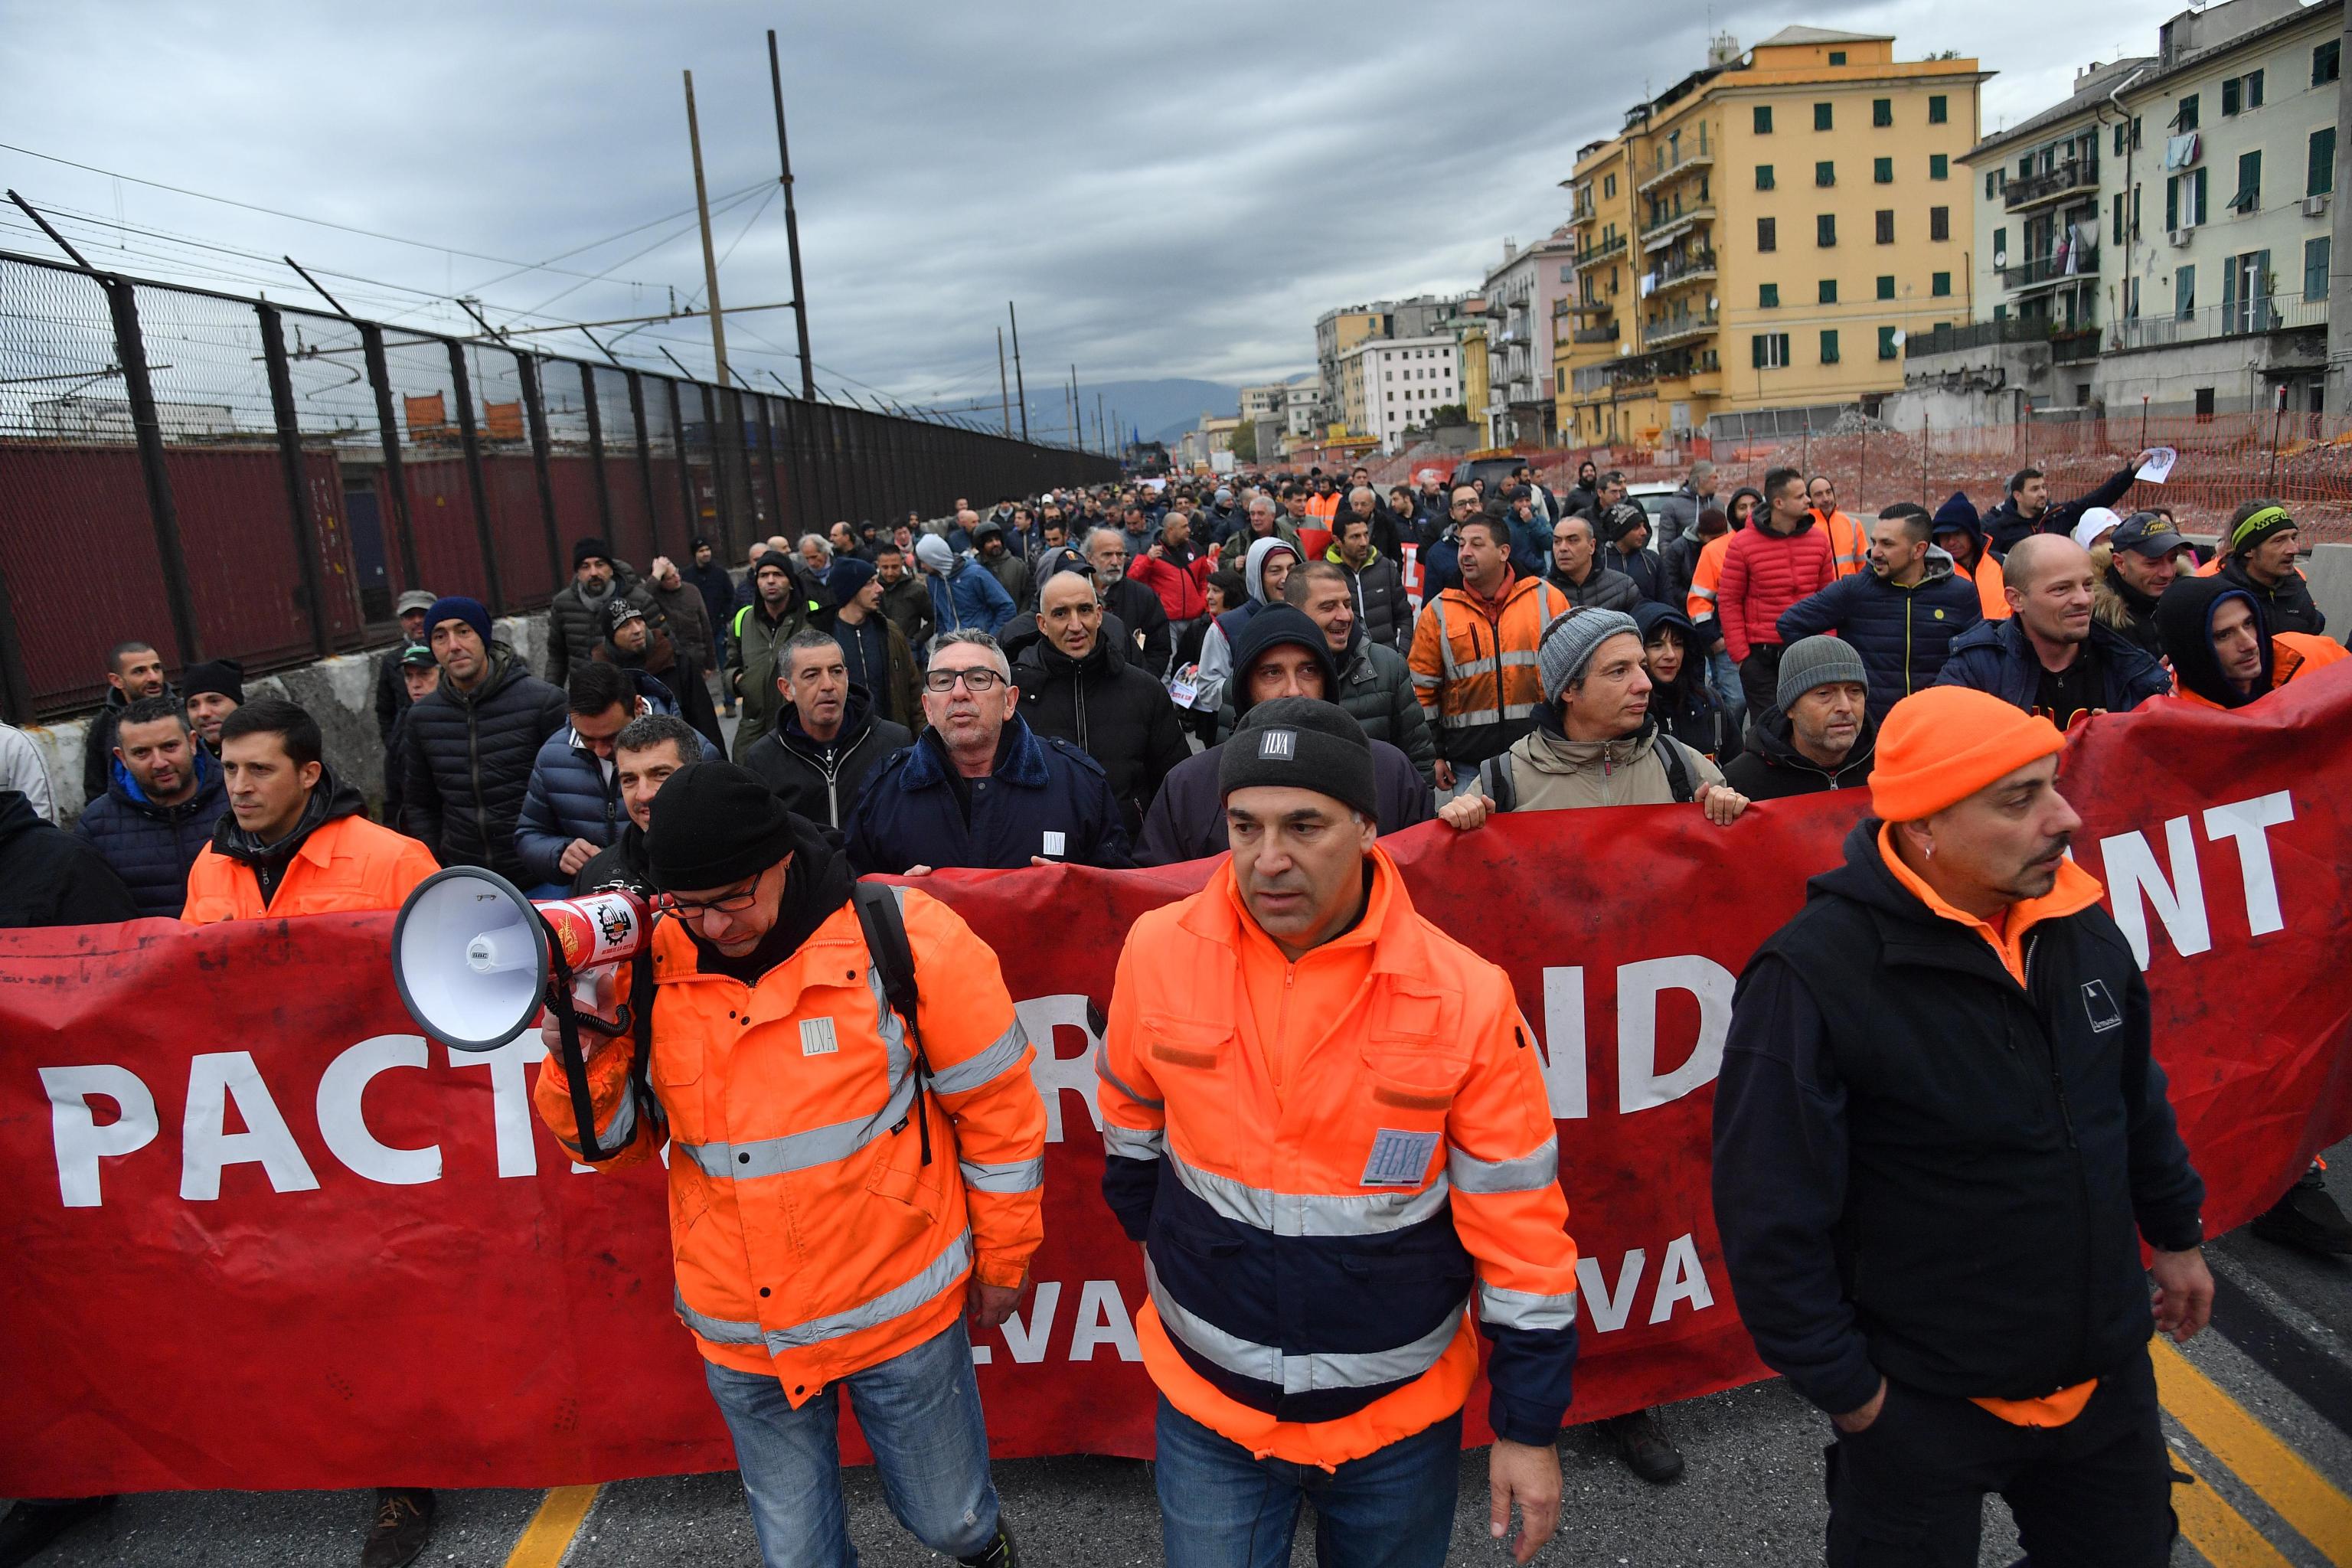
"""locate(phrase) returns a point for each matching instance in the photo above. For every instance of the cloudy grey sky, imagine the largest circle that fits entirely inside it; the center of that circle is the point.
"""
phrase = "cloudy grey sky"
(1165, 189)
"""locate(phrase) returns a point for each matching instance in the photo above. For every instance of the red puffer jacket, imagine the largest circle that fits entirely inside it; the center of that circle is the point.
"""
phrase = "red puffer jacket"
(1765, 572)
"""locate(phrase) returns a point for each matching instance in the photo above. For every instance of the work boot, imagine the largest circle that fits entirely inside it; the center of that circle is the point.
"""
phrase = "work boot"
(998, 1553)
(2307, 1219)
(1641, 1444)
(28, 1528)
(404, 1518)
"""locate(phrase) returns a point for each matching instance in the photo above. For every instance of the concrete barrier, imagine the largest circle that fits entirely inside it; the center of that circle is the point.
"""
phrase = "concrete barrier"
(2328, 568)
(340, 692)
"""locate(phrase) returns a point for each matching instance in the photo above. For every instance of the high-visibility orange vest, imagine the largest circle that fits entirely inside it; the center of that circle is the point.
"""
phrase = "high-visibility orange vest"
(347, 863)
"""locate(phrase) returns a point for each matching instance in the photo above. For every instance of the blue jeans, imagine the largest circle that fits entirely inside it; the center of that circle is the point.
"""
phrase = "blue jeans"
(1221, 1507)
(920, 1414)
(1723, 679)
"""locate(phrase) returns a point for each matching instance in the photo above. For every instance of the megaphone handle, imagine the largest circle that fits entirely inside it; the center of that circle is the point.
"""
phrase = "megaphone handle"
(575, 1063)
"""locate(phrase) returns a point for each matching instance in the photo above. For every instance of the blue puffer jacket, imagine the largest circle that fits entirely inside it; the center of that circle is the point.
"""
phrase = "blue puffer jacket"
(1995, 656)
(1904, 634)
(152, 847)
(1046, 797)
(970, 599)
(571, 796)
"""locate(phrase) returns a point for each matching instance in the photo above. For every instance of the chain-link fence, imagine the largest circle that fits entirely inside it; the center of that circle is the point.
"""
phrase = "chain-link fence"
(229, 477)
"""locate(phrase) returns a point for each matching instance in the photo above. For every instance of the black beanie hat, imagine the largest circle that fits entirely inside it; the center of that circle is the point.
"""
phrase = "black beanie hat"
(1299, 742)
(2184, 625)
(1274, 624)
(713, 823)
(591, 548)
(225, 677)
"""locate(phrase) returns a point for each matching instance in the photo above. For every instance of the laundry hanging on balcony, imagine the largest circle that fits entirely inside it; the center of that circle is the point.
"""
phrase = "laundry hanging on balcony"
(2181, 152)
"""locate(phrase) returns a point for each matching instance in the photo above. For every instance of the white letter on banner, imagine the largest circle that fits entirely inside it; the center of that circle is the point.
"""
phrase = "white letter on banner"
(2178, 903)
(2244, 820)
(80, 1141)
(1027, 1342)
(1640, 1085)
(1680, 1278)
(343, 1115)
(511, 1098)
(207, 1145)
(1563, 1042)
(1609, 1314)
(1040, 1015)
(1103, 1321)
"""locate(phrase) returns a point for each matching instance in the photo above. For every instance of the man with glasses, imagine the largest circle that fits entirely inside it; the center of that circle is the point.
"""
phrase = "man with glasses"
(817, 1254)
(1139, 608)
(979, 787)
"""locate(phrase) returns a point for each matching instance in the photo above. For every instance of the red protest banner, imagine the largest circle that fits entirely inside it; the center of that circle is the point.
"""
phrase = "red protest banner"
(262, 1236)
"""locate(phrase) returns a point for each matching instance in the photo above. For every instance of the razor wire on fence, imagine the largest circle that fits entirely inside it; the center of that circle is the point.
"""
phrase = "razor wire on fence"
(231, 478)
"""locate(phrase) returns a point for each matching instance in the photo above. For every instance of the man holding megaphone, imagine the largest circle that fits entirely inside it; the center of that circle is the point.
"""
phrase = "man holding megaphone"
(856, 1159)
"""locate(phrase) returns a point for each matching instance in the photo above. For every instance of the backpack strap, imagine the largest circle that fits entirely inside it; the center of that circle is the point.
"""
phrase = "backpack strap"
(1496, 780)
(1678, 768)
(892, 957)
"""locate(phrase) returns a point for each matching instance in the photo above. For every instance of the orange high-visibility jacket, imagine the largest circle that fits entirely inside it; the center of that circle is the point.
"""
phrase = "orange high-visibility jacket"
(811, 1241)
(1707, 576)
(2293, 655)
(1849, 542)
(1328, 1162)
(1473, 673)
(347, 863)
(1991, 588)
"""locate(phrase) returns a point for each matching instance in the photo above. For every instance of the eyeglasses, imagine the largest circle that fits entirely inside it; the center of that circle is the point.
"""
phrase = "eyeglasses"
(732, 904)
(974, 680)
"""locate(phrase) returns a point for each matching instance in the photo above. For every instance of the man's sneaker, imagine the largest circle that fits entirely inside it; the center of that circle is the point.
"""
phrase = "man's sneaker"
(2306, 1220)
(999, 1553)
(28, 1529)
(404, 1518)
(1641, 1444)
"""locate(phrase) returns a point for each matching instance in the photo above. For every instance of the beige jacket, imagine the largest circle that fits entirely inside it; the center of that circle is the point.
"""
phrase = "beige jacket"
(1548, 772)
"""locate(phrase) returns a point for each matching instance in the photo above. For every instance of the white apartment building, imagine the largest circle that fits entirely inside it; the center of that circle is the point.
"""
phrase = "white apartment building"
(1390, 384)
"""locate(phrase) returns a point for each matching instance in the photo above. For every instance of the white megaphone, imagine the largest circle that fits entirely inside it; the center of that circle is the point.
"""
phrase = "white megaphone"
(475, 960)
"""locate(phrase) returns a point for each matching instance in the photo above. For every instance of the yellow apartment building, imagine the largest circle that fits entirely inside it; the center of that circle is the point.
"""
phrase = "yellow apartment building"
(1763, 235)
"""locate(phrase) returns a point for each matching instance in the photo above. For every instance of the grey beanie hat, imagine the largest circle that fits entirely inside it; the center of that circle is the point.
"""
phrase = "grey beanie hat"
(1817, 661)
(1568, 643)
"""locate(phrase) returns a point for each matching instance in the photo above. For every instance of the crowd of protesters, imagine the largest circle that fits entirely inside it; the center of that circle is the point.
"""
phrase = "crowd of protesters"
(1289, 669)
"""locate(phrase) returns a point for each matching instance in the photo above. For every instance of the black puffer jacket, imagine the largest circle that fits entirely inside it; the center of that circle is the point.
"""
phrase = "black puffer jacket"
(576, 624)
(2285, 608)
(1688, 709)
(49, 877)
(470, 760)
(150, 847)
(1383, 610)
(1773, 769)
(1107, 709)
(821, 780)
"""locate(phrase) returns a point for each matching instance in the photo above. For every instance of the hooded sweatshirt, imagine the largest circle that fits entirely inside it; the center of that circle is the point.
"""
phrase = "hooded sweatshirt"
(1773, 769)
(1217, 663)
(2184, 624)
(1982, 568)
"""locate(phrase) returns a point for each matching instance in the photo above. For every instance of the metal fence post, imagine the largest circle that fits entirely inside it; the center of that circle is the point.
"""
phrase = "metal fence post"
(688, 509)
(289, 458)
(719, 499)
(767, 407)
(388, 437)
(130, 353)
(645, 460)
(16, 682)
(535, 410)
(596, 456)
(470, 442)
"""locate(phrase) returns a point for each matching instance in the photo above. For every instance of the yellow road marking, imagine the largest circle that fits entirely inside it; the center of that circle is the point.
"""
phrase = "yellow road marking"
(2277, 1474)
(2209, 1523)
(549, 1534)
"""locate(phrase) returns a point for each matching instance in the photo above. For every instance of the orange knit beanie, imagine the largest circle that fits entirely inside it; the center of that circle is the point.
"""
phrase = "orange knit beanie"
(1939, 746)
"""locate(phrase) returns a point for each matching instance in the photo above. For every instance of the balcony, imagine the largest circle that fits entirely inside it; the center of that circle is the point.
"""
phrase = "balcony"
(1681, 159)
(1612, 246)
(1947, 340)
(1677, 328)
(1607, 335)
(1689, 267)
(1666, 224)
(2052, 184)
(2234, 319)
(2051, 269)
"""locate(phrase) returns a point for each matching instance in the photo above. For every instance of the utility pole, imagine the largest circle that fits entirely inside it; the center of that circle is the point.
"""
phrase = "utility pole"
(1003, 395)
(1018, 385)
(1102, 438)
(1077, 414)
(709, 256)
(792, 224)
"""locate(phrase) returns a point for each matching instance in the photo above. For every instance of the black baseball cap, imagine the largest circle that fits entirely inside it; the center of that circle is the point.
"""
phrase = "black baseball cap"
(2150, 533)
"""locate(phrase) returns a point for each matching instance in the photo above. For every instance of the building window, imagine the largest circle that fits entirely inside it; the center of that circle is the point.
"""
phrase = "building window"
(1882, 112)
(2249, 196)
(1837, 57)
(1768, 296)
(1886, 226)
(2327, 62)
(1821, 117)
(2119, 138)
(2184, 200)
(1767, 235)
(1825, 173)
(2184, 119)
(1989, 174)
(1825, 229)
(1768, 351)
(1886, 285)
(2229, 98)
(2319, 176)
(1939, 222)
(1763, 176)
(2000, 247)
(1882, 170)
(1763, 120)
(2315, 270)
(1608, 186)
(2184, 292)
(1940, 285)
(1886, 342)
(2134, 212)
(1829, 291)
(1939, 166)
(2115, 233)
(1938, 109)
(1829, 345)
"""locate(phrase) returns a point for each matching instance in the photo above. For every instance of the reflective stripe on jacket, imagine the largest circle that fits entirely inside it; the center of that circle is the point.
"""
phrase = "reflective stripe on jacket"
(1472, 671)
(811, 1241)
(1327, 1178)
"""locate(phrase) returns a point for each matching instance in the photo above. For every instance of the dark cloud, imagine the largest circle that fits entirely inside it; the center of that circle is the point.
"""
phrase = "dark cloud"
(1167, 190)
